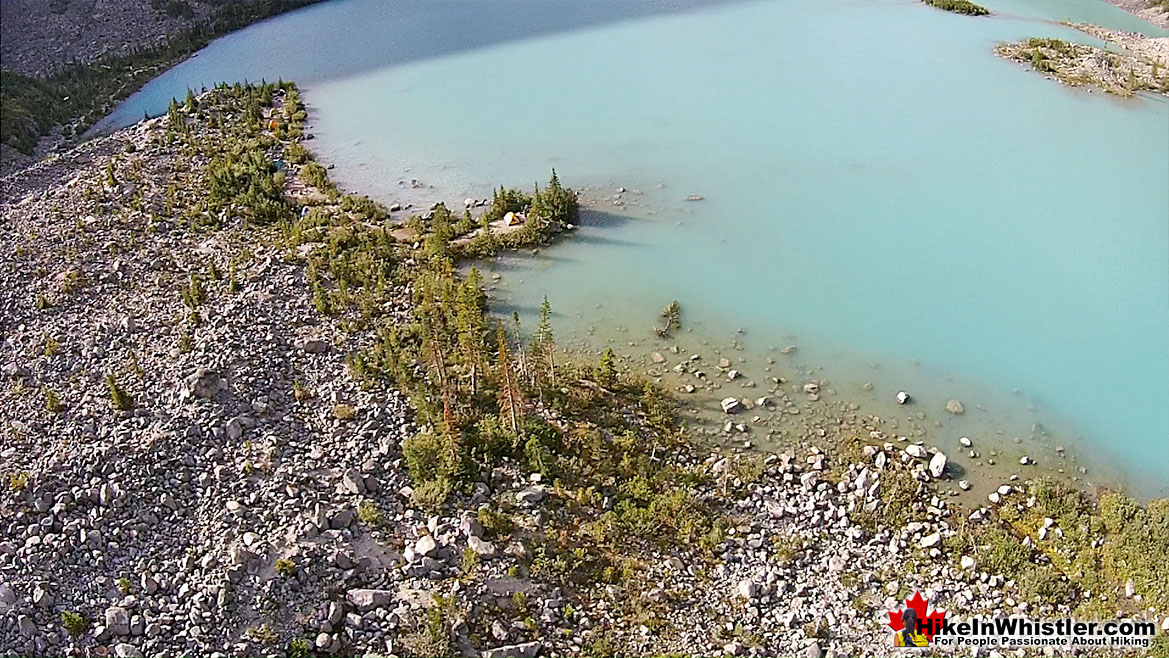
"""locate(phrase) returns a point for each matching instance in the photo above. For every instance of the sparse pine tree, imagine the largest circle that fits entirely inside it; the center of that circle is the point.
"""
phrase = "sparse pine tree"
(233, 284)
(469, 323)
(607, 368)
(119, 398)
(194, 294)
(52, 400)
(543, 347)
(518, 337)
(509, 392)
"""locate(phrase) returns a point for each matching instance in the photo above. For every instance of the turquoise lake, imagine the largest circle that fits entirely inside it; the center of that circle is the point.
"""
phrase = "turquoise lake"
(879, 189)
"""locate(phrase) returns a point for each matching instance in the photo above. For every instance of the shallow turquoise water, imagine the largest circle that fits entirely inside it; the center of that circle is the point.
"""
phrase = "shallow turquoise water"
(879, 187)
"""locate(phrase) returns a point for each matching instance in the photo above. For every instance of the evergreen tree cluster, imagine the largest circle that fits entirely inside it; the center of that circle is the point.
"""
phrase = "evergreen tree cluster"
(547, 210)
(487, 394)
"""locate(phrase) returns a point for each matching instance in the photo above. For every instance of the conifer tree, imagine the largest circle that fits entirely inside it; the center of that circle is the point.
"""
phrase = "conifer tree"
(518, 336)
(469, 323)
(509, 393)
(543, 347)
(607, 369)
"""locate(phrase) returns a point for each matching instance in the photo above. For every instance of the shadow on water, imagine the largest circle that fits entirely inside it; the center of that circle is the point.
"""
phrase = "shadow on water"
(515, 265)
(502, 310)
(585, 238)
(525, 260)
(594, 217)
(345, 38)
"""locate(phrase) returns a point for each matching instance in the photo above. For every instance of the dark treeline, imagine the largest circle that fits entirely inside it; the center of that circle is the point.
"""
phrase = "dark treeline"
(80, 94)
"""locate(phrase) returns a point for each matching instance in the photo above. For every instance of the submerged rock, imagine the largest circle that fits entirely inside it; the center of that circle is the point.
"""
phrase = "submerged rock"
(730, 405)
(955, 407)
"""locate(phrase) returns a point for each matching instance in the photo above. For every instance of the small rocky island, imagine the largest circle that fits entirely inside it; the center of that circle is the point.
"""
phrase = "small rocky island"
(248, 414)
(1134, 63)
(959, 7)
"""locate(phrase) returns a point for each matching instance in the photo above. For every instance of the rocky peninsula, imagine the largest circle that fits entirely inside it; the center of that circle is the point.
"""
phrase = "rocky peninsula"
(248, 414)
(1133, 63)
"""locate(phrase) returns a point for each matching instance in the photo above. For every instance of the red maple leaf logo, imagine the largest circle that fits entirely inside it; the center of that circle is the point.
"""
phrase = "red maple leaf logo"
(931, 621)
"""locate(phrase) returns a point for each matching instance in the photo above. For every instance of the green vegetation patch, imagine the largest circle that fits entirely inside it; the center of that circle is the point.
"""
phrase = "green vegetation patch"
(491, 394)
(959, 7)
(1083, 547)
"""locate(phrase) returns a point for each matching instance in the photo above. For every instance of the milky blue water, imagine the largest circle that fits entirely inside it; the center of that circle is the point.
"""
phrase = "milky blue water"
(880, 190)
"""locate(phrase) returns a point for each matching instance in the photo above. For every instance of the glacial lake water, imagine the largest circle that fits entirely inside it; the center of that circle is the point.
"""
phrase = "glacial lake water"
(879, 190)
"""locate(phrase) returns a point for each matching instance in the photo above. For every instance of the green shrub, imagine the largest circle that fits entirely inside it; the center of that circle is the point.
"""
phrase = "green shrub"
(1045, 585)
(121, 400)
(315, 175)
(1002, 552)
(1136, 544)
(53, 401)
(494, 522)
(241, 181)
(74, 622)
(363, 205)
(368, 513)
(299, 648)
(430, 456)
(193, 294)
(431, 494)
(264, 634)
(296, 154)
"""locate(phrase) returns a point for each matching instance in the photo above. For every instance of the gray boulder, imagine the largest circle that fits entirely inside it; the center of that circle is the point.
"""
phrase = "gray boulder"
(118, 620)
(369, 599)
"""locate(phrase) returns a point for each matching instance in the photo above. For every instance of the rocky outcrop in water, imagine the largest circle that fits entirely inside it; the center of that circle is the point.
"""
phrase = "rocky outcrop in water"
(1134, 63)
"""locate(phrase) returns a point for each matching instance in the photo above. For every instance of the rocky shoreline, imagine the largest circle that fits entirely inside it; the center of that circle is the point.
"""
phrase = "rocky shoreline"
(199, 462)
(1145, 10)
